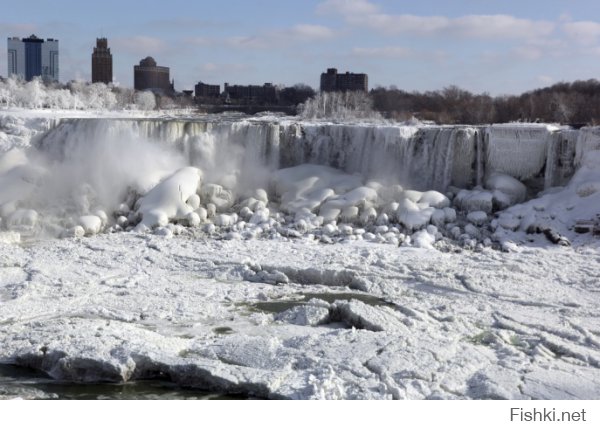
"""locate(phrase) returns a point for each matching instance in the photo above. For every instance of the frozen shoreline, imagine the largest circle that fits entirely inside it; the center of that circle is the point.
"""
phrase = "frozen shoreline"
(427, 324)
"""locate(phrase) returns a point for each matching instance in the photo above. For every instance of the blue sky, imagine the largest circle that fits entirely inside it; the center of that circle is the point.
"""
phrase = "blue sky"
(500, 47)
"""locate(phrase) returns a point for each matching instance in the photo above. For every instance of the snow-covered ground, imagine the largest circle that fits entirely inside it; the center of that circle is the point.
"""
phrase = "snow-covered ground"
(215, 255)
(297, 319)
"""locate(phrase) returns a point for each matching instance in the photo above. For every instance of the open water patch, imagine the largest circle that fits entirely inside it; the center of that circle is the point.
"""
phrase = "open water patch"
(23, 383)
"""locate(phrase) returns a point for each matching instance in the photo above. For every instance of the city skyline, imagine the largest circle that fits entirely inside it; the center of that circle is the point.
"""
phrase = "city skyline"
(497, 47)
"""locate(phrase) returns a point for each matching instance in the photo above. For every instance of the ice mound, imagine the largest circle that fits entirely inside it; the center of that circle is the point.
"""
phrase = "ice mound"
(556, 213)
(167, 201)
(508, 186)
(308, 186)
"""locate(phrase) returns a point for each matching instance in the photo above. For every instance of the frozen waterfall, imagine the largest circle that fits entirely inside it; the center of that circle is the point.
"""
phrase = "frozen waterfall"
(421, 157)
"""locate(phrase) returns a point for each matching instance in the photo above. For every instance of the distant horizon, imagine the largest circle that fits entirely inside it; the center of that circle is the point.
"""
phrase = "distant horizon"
(498, 48)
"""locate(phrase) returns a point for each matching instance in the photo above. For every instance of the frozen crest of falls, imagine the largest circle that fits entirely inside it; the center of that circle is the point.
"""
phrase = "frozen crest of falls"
(426, 157)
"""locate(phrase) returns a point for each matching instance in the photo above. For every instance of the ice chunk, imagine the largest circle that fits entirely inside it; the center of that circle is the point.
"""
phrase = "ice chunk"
(167, 200)
(423, 239)
(509, 221)
(478, 217)
(434, 199)
(91, 224)
(508, 185)
(450, 214)
(22, 219)
(476, 200)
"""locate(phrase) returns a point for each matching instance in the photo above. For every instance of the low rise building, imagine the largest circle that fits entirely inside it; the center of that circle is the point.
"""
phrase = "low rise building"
(149, 76)
(265, 94)
(207, 91)
(334, 81)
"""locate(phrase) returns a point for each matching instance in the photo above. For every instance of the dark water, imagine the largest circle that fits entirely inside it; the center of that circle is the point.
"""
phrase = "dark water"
(16, 382)
(278, 306)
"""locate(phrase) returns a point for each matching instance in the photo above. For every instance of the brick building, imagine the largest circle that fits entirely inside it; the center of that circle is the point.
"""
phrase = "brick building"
(265, 94)
(149, 76)
(102, 70)
(334, 81)
(207, 91)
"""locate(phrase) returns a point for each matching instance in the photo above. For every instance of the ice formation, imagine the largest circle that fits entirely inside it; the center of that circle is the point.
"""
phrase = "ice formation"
(344, 265)
(250, 178)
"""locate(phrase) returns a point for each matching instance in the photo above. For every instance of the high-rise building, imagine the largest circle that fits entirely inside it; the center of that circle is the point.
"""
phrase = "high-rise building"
(334, 81)
(32, 56)
(102, 62)
(149, 76)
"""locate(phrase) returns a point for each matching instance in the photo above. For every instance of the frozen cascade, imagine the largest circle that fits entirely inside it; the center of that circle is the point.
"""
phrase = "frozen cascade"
(588, 139)
(246, 151)
(560, 158)
(518, 150)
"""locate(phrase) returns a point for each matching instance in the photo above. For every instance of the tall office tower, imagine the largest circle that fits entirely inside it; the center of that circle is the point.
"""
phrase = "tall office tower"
(102, 62)
(32, 56)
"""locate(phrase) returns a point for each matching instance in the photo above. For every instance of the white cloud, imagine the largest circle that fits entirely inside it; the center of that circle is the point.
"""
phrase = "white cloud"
(530, 53)
(301, 33)
(584, 32)
(383, 52)
(347, 7)
(471, 26)
(309, 32)
(364, 14)
(500, 26)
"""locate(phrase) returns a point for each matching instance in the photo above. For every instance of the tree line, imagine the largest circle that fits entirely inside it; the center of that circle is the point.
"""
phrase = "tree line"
(576, 103)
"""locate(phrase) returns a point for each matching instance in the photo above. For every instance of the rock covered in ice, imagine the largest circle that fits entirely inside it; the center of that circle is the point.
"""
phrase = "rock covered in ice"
(25, 219)
(438, 218)
(193, 201)
(434, 199)
(509, 221)
(91, 224)
(478, 217)
(216, 194)
(423, 239)
(76, 232)
(308, 186)
(450, 214)
(472, 231)
(314, 313)
(167, 200)
(507, 185)
(475, 200)
(412, 216)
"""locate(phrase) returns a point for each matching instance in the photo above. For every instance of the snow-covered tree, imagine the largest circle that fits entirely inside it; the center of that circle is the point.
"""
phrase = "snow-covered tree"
(340, 106)
(145, 100)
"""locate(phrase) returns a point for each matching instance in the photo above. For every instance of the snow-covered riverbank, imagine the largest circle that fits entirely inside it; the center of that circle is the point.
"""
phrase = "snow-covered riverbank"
(295, 319)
